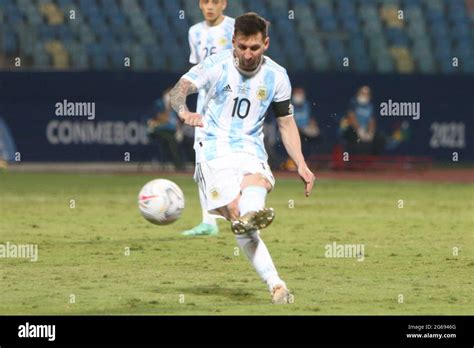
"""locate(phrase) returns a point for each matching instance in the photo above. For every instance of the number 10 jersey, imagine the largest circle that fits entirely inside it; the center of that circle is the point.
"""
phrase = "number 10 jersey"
(235, 105)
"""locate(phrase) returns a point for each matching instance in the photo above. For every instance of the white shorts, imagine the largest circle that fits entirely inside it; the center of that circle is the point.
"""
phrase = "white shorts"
(219, 179)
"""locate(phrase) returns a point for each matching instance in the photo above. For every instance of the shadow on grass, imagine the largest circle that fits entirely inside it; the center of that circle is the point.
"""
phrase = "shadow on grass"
(234, 294)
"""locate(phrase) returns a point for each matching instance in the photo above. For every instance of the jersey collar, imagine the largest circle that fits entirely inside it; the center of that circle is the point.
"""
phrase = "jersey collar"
(207, 26)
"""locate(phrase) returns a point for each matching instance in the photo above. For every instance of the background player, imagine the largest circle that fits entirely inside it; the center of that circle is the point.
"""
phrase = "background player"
(208, 37)
(232, 170)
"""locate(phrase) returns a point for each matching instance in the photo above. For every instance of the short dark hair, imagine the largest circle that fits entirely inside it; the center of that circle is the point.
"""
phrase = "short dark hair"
(250, 24)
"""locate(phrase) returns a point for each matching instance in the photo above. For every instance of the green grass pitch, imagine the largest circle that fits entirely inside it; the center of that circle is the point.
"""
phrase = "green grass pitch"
(410, 265)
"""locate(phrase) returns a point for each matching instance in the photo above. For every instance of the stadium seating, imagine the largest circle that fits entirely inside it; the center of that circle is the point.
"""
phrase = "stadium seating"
(383, 36)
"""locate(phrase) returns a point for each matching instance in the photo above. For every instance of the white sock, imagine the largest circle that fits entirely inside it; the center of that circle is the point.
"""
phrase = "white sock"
(259, 256)
(206, 217)
(252, 199)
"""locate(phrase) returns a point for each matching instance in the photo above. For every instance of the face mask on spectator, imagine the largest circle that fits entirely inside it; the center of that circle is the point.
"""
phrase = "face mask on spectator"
(299, 99)
(362, 99)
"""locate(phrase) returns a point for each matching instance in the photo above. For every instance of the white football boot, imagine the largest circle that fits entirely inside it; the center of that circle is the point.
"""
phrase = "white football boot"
(280, 294)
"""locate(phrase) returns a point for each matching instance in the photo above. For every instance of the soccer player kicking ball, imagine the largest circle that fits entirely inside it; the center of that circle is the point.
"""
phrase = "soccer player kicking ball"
(232, 171)
(211, 36)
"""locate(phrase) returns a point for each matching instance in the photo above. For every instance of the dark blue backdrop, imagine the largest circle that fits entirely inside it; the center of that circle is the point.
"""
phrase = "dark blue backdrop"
(27, 104)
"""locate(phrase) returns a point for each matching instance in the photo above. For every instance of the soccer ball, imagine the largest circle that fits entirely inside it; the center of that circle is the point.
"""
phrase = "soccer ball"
(161, 201)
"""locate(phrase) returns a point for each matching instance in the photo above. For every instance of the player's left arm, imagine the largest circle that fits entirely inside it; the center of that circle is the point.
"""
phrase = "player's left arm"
(290, 135)
(292, 142)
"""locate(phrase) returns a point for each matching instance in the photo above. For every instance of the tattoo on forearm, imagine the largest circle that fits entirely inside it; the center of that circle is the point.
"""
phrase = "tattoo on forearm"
(179, 93)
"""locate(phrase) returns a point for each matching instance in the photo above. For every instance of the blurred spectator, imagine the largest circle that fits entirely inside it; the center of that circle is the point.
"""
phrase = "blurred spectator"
(359, 126)
(401, 132)
(307, 125)
(185, 139)
(7, 145)
(162, 127)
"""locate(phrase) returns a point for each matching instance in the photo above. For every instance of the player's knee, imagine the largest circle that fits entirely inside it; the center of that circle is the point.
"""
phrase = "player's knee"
(263, 182)
(257, 180)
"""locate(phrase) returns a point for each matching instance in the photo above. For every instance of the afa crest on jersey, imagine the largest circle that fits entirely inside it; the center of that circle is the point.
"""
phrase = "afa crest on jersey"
(223, 41)
(262, 93)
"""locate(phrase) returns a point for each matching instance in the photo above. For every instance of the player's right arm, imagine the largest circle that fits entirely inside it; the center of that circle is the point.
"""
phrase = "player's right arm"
(178, 96)
(197, 78)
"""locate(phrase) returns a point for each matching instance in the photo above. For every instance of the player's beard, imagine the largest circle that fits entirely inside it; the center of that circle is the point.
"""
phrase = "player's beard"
(247, 72)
